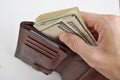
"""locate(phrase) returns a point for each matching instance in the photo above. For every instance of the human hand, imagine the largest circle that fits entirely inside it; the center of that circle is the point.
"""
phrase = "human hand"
(105, 56)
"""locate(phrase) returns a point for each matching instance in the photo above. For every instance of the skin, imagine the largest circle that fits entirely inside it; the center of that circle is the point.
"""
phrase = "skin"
(105, 56)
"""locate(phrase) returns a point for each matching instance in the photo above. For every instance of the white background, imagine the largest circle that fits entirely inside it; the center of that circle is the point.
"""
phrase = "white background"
(12, 12)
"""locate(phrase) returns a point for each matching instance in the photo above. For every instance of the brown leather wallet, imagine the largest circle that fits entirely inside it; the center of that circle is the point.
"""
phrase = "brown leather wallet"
(46, 55)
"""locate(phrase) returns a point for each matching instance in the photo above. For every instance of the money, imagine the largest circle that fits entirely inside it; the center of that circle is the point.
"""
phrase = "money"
(53, 30)
(68, 20)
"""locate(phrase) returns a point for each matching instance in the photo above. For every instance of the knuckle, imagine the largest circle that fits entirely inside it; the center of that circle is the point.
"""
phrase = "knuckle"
(114, 18)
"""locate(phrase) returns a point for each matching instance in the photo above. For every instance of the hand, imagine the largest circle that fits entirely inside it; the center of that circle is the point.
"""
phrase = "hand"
(105, 57)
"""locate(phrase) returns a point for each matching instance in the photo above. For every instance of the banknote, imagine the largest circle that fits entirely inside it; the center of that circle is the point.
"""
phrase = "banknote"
(50, 23)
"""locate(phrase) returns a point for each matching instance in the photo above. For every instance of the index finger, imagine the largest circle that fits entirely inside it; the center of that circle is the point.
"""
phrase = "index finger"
(94, 20)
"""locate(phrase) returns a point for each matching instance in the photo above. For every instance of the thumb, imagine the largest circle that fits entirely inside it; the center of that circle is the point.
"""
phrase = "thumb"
(76, 44)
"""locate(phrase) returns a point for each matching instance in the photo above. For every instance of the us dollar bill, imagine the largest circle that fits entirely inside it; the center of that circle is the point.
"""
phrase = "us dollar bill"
(69, 20)
(70, 17)
(53, 30)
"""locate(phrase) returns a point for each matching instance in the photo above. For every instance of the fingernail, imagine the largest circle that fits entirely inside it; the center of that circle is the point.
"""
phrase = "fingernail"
(63, 37)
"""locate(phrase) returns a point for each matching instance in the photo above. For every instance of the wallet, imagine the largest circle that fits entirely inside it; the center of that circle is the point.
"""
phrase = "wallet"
(46, 55)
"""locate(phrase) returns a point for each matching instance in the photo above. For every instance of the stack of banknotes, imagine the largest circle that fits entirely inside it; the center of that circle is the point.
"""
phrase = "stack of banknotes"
(67, 20)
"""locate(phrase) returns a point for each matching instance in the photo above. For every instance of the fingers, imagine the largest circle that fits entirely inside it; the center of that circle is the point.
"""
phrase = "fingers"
(77, 45)
(112, 19)
(87, 52)
(94, 20)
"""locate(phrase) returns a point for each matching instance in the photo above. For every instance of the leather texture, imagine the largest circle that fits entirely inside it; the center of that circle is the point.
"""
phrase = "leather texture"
(46, 55)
